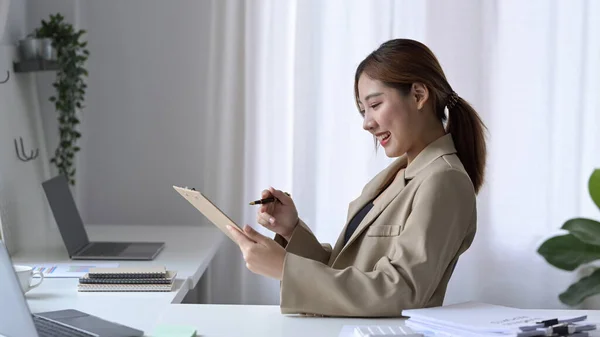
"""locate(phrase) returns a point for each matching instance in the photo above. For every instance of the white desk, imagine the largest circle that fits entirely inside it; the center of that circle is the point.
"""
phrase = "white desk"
(258, 320)
(188, 250)
(251, 321)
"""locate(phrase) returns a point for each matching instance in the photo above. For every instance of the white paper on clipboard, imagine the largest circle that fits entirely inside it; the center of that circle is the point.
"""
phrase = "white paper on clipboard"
(208, 209)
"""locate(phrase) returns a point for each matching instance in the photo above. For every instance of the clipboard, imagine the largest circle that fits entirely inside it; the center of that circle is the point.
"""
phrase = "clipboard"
(209, 210)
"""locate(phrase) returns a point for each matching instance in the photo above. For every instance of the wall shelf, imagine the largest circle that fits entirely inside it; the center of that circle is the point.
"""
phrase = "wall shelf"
(35, 65)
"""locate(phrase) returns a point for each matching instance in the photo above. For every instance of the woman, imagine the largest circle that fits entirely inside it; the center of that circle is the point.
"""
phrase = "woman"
(413, 220)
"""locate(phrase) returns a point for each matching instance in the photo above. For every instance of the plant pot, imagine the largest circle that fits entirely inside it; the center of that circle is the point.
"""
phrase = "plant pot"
(37, 49)
(47, 51)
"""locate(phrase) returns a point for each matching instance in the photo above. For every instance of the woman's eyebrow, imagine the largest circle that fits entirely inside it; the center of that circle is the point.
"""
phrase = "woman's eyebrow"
(375, 94)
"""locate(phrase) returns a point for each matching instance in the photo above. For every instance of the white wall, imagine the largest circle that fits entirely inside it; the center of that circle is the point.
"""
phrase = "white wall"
(142, 125)
(15, 22)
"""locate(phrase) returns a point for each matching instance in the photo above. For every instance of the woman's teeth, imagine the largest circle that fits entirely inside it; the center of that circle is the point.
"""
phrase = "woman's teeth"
(384, 137)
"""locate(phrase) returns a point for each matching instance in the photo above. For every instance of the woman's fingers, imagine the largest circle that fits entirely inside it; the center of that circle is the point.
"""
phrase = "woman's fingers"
(281, 196)
(265, 219)
(269, 208)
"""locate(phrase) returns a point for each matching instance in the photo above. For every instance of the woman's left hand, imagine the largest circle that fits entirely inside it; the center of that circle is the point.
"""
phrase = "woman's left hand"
(262, 255)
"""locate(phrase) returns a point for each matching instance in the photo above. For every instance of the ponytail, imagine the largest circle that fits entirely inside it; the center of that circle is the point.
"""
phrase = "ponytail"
(467, 131)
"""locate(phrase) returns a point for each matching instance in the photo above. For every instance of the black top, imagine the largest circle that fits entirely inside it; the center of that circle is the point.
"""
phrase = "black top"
(356, 220)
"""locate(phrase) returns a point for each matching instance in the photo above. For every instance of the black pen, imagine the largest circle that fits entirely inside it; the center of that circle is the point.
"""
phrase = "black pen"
(266, 200)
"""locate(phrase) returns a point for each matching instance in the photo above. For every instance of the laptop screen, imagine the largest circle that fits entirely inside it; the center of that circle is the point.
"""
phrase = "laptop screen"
(65, 213)
(15, 318)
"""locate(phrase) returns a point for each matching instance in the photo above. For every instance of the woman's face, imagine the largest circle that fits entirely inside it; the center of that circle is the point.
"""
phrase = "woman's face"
(388, 115)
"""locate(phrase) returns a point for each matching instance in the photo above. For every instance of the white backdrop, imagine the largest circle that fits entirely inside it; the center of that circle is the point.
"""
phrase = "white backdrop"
(284, 71)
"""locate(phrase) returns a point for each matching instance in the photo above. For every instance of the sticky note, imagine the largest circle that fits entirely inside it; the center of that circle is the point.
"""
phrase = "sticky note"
(167, 330)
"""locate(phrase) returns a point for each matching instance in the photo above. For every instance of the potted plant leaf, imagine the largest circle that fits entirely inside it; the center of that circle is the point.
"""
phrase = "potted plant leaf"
(580, 246)
(70, 88)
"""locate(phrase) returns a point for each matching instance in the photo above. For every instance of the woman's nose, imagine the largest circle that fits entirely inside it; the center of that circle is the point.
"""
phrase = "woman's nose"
(368, 123)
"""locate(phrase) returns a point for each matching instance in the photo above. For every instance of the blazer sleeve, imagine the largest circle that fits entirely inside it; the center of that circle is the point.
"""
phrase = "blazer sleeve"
(304, 243)
(443, 210)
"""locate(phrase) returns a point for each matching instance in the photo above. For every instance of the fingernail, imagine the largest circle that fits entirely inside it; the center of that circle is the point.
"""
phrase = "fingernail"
(228, 227)
(271, 220)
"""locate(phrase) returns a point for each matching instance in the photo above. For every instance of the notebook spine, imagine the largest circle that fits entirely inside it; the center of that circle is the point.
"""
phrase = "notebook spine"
(127, 275)
(123, 288)
(124, 281)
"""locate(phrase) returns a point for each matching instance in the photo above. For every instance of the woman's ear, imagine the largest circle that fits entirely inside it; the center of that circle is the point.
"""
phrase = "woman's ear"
(420, 93)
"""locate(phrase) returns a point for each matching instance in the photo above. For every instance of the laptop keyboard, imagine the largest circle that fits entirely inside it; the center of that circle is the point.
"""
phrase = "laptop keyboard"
(104, 249)
(49, 328)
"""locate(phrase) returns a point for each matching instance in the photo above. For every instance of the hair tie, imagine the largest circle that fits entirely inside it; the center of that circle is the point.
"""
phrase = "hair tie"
(452, 100)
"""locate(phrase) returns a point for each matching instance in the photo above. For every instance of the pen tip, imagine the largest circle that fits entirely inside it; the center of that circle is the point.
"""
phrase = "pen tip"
(252, 203)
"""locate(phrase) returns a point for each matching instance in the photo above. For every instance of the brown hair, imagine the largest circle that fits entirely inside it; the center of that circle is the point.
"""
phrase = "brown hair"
(401, 62)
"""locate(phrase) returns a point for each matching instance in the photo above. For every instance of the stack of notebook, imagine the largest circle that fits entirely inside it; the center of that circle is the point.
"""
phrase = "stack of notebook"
(127, 279)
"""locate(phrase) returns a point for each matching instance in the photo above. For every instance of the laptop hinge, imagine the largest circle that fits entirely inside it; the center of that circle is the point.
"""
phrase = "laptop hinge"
(78, 251)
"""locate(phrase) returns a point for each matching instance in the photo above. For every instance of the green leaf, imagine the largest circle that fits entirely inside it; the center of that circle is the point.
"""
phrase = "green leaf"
(594, 187)
(567, 252)
(579, 291)
(586, 230)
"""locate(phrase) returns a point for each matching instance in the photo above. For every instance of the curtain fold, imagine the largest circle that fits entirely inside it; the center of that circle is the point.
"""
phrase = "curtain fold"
(281, 113)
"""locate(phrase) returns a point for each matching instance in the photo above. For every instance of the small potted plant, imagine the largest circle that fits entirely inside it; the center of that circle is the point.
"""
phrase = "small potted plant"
(578, 248)
(71, 55)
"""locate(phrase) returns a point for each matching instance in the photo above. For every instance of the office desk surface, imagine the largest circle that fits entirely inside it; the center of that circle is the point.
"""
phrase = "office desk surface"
(255, 321)
(188, 250)
(258, 320)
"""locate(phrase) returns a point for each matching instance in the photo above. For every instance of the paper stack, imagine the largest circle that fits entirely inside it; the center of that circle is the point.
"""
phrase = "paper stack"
(127, 279)
(472, 319)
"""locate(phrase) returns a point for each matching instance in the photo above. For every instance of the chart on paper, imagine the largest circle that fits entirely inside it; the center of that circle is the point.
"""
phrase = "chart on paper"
(69, 270)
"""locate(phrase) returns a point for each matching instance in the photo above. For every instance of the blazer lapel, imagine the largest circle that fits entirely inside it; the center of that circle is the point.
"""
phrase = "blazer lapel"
(442, 146)
(371, 190)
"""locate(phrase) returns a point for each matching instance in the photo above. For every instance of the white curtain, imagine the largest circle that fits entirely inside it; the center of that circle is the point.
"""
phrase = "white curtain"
(281, 113)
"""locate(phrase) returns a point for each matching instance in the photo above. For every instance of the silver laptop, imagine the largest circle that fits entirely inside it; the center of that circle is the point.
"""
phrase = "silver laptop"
(16, 320)
(75, 237)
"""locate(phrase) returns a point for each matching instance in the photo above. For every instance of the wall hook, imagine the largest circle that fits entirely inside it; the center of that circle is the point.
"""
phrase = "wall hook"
(24, 157)
(7, 77)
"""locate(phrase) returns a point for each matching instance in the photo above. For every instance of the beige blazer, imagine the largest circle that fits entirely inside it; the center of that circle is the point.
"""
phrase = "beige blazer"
(403, 252)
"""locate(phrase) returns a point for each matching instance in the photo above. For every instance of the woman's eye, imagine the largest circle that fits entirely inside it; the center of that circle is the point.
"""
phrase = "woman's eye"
(375, 105)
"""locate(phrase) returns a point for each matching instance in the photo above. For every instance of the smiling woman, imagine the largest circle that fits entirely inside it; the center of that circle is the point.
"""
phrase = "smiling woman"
(413, 220)
(403, 83)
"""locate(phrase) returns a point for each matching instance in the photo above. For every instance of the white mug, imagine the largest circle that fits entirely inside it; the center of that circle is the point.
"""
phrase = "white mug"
(25, 275)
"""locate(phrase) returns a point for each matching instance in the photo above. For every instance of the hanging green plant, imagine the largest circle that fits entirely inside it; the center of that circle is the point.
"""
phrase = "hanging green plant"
(70, 88)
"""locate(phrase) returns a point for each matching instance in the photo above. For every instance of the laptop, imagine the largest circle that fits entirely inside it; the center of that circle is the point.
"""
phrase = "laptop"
(75, 237)
(17, 320)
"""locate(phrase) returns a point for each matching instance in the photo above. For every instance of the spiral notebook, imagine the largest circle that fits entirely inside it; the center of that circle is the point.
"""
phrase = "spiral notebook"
(128, 279)
(124, 287)
(128, 272)
(169, 277)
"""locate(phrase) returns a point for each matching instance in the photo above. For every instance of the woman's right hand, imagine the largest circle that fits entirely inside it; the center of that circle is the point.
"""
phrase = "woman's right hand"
(280, 216)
